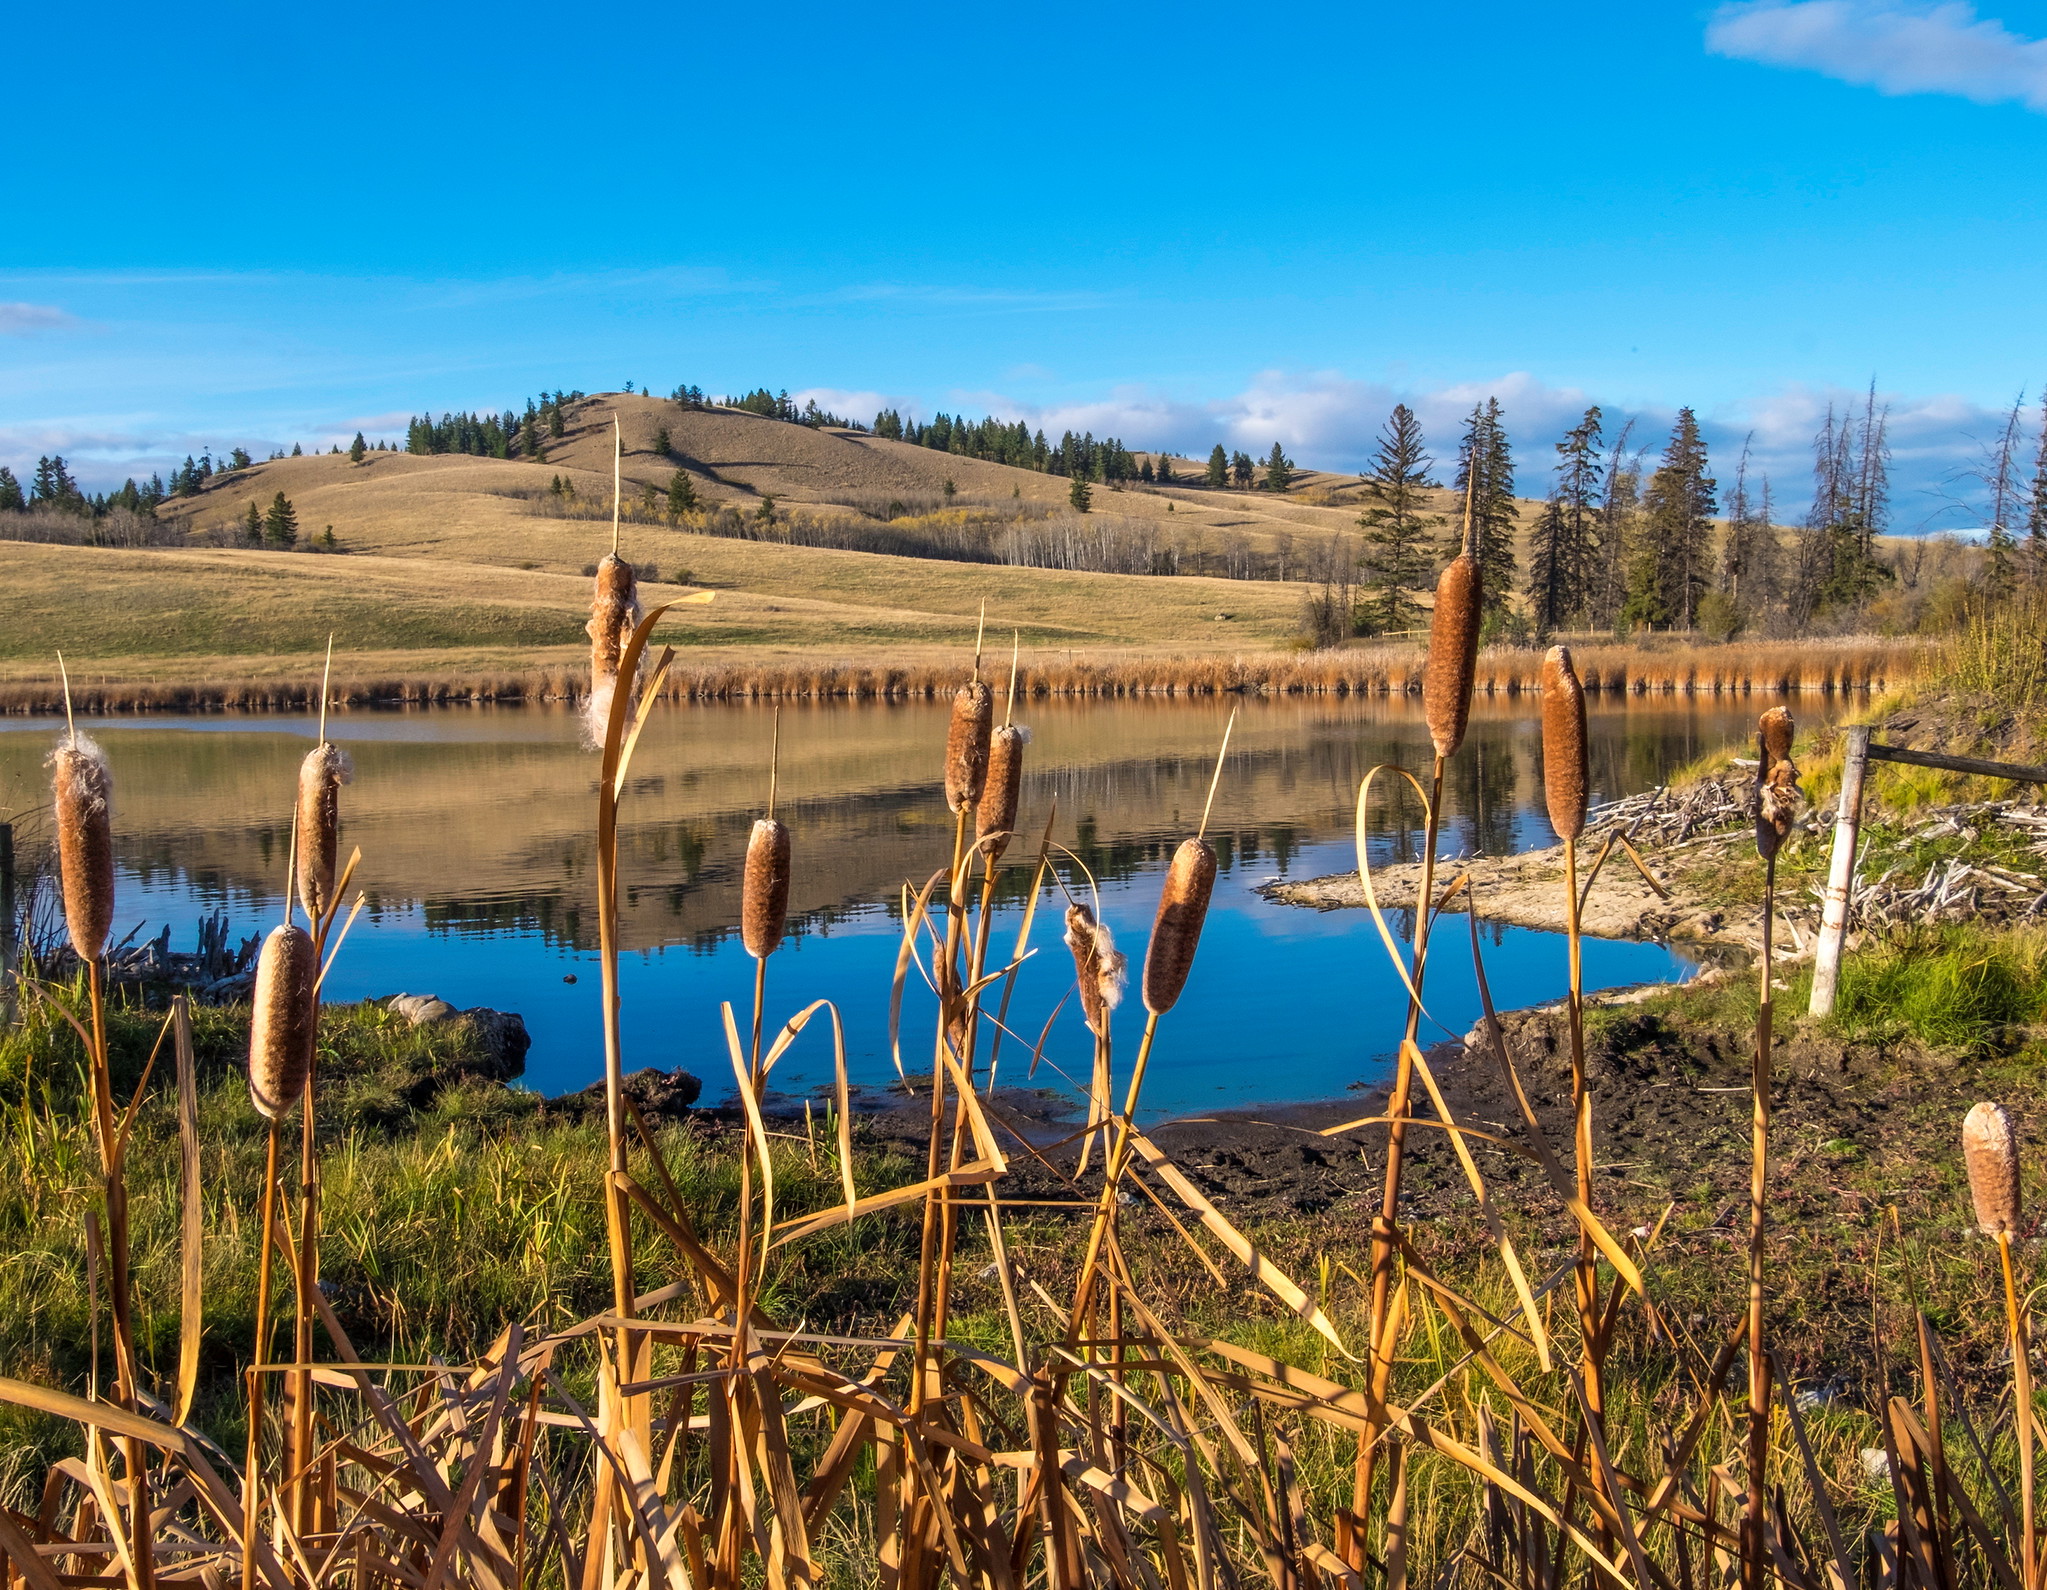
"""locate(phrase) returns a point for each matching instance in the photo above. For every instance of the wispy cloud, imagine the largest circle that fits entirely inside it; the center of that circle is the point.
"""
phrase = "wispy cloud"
(1895, 48)
(19, 320)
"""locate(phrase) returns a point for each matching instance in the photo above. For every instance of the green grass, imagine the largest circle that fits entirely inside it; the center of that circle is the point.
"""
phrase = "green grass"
(1957, 986)
(451, 1206)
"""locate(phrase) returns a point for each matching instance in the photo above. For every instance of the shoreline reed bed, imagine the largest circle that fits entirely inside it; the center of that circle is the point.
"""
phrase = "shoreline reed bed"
(1793, 668)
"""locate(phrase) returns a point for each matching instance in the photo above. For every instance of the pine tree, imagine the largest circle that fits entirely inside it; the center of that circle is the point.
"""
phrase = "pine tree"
(357, 448)
(252, 522)
(2000, 474)
(1747, 561)
(1218, 468)
(1491, 493)
(1397, 532)
(1078, 494)
(11, 498)
(281, 523)
(682, 492)
(664, 445)
(1164, 473)
(1680, 505)
(296, 452)
(53, 484)
(240, 459)
(1241, 469)
(1279, 470)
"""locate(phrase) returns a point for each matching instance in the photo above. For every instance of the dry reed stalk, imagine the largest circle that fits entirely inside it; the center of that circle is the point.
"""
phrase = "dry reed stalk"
(614, 615)
(966, 744)
(995, 815)
(1453, 654)
(85, 843)
(1176, 931)
(764, 896)
(325, 769)
(1776, 805)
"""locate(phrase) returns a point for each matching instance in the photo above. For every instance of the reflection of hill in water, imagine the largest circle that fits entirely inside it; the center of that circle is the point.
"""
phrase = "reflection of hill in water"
(481, 818)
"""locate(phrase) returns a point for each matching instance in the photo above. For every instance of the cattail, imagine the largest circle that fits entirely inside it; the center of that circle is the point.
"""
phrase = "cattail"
(1176, 932)
(1990, 1146)
(614, 614)
(1453, 654)
(1564, 771)
(1097, 964)
(966, 744)
(85, 842)
(1777, 792)
(995, 816)
(1773, 737)
(281, 1026)
(764, 899)
(321, 775)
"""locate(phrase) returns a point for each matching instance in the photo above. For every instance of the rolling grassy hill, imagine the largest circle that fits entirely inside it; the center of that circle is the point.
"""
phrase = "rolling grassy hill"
(461, 564)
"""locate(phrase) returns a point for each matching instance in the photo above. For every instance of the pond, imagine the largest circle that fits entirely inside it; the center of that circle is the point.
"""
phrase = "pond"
(475, 827)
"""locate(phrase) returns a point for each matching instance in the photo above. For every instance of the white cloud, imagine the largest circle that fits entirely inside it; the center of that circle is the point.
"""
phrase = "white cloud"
(1895, 47)
(18, 319)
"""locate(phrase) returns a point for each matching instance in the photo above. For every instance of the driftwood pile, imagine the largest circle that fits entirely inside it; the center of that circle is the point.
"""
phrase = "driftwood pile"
(1713, 815)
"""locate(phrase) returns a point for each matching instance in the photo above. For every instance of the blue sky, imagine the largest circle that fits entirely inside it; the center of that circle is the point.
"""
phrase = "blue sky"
(259, 225)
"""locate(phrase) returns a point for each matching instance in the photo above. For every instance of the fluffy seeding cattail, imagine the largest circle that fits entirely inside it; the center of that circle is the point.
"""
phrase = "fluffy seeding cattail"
(1777, 792)
(1565, 775)
(1097, 964)
(85, 842)
(614, 614)
(966, 744)
(1176, 932)
(1990, 1146)
(281, 1026)
(1774, 733)
(995, 816)
(1453, 654)
(321, 775)
(764, 899)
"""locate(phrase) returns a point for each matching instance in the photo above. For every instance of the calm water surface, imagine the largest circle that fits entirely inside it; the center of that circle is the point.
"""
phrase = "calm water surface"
(475, 824)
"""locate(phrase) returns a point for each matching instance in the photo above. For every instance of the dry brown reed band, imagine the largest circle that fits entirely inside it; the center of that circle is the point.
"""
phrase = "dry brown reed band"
(84, 790)
(282, 1021)
(1452, 665)
(764, 897)
(966, 744)
(995, 815)
(1566, 775)
(1176, 932)
(1990, 1148)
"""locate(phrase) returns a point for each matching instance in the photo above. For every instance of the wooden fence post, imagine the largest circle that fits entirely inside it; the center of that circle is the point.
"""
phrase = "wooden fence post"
(1826, 966)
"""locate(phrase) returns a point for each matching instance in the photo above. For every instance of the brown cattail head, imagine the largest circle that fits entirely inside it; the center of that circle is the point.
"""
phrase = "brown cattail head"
(1777, 793)
(1176, 932)
(1774, 732)
(614, 614)
(1453, 654)
(85, 842)
(995, 817)
(321, 775)
(764, 900)
(1565, 775)
(1990, 1147)
(1097, 964)
(966, 744)
(283, 1022)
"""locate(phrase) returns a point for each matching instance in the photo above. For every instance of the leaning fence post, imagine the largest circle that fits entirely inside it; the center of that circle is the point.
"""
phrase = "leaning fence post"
(1826, 966)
